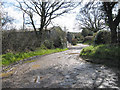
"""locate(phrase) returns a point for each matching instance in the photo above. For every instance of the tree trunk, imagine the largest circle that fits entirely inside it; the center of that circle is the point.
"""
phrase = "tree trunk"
(119, 35)
(41, 34)
(113, 34)
(32, 22)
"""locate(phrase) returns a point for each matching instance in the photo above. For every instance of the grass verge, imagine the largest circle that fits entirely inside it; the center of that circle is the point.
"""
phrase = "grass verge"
(10, 58)
(101, 54)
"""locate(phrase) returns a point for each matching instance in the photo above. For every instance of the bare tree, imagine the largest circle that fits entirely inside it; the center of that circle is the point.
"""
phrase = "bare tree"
(46, 11)
(112, 20)
(4, 17)
(91, 17)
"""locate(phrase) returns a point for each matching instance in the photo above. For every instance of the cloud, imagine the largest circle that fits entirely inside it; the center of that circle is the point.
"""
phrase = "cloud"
(68, 20)
(16, 15)
(65, 21)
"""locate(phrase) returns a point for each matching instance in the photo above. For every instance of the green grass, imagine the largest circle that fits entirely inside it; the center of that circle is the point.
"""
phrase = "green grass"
(10, 58)
(101, 52)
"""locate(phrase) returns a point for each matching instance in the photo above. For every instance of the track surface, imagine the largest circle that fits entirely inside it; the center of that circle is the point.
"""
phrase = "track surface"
(61, 70)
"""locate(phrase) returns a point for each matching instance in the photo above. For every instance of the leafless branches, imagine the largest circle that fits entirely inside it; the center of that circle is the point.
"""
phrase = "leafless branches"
(90, 17)
(46, 11)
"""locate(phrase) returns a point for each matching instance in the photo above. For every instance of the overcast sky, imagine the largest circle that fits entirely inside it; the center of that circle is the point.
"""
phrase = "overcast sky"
(68, 20)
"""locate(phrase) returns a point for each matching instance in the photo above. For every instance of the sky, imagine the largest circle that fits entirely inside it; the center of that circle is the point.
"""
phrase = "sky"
(66, 21)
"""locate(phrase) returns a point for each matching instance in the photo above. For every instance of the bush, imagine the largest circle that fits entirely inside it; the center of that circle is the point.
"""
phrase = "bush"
(20, 41)
(79, 37)
(48, 44)
(13, 41)
(58, 37)
(57, 42)
(90, 33)
(74, 41)
(85, 32)
(102, 37)
(88, 40)
(42, 47)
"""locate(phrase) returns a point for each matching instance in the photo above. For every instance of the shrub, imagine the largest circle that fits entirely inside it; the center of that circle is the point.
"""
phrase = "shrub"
(90, 33)
(85, 32)
(13, 41)
(20, 41)
(48, 44)
(102, 37)
(58, 37)
(79, 37)
(94, 35)
(88, 40)
(74, 41)
(42, 47)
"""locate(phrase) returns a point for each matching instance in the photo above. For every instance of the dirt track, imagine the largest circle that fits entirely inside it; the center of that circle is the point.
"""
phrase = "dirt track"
(62, 69)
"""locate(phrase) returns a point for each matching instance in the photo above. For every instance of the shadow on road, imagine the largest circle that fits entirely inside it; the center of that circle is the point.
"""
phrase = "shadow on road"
(86, 76)
(55, 78)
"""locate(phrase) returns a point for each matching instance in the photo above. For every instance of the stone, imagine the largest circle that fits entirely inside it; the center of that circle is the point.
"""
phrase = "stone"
(67, 76)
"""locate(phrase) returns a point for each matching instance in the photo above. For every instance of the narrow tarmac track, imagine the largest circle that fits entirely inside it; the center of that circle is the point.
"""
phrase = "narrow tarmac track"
(61, 70)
